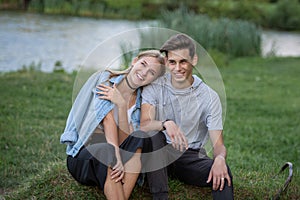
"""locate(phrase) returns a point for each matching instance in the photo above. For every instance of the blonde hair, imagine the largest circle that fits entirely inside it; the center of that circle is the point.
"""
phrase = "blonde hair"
(148, 53)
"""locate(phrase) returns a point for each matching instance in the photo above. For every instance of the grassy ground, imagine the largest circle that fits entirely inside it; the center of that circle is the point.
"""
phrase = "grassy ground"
(261, 133)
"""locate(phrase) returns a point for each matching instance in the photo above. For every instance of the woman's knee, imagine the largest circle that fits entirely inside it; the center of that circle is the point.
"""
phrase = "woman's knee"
(103, 152)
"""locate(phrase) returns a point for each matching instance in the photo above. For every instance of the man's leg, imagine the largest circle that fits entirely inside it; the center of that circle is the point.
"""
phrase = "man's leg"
(193, 169)
(157, 176)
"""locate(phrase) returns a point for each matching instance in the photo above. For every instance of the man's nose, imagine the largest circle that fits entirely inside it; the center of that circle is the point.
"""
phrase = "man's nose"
(177, 66)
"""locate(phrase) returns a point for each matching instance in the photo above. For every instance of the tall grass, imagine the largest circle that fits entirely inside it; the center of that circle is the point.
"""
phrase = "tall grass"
(232, 37)
(91, 8)
(278, 14)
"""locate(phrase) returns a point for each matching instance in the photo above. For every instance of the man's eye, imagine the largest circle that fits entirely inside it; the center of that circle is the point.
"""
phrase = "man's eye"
(184, 62)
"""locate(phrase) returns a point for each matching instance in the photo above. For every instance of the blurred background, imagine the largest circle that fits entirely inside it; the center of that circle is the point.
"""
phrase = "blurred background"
(254, 43)
(58, 34)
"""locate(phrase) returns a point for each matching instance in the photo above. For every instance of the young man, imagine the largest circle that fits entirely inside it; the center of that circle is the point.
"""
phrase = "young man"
(184, 112)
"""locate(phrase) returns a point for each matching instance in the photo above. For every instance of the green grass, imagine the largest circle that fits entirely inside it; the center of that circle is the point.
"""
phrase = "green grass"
(261, 133)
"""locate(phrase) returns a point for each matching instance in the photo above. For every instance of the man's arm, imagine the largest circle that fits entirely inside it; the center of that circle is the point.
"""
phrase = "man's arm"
(219, 171)
(148, 123)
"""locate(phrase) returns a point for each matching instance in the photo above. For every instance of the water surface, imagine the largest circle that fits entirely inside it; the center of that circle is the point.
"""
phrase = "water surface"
(43, 40)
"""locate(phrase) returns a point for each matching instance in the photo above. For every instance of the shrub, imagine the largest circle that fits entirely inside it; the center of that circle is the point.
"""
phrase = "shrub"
(233, 37)
(286, 15)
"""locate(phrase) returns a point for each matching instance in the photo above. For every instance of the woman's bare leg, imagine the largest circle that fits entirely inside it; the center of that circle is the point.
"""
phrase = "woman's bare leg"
(132, 171)
(113, 190)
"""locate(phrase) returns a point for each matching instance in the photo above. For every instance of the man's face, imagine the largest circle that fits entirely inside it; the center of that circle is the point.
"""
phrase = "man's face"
(180, 64)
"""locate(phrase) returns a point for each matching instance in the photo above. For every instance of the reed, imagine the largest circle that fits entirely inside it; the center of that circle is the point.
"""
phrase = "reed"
(91, 8)
(232, 37)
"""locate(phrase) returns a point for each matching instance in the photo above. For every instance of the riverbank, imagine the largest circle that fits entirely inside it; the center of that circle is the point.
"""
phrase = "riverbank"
(23, 33)
(261, 133)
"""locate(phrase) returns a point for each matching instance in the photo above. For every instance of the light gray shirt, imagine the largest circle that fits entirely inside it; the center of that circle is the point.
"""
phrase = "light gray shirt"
(196, 109)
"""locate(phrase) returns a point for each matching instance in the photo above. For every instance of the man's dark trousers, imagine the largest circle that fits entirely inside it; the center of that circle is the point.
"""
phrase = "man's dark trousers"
(190, 167)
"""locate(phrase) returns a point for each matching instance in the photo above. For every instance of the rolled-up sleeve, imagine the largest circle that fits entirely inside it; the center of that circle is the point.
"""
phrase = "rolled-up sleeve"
(70, 135)
(214, 117)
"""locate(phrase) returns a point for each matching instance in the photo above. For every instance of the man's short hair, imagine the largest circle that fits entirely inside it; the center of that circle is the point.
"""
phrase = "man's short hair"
(179, 41)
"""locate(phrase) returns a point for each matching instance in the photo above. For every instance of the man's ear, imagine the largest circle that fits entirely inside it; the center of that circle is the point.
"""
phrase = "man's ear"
(195, 60)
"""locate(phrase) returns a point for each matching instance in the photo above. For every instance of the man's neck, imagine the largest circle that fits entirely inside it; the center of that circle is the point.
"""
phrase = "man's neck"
(184, 84)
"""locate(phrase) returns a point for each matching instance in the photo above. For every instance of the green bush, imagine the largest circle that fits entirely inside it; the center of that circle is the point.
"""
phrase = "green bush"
(286, 15)
(277, 14)
(233, 37)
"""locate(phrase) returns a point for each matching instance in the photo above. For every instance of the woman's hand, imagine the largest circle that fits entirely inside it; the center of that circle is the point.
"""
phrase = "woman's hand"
(117, 173)
(111, 93)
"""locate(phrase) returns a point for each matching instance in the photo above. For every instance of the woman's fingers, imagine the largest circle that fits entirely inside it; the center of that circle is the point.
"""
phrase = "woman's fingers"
(117, 172)
(120, 177)
(117, 175)
(102, 86)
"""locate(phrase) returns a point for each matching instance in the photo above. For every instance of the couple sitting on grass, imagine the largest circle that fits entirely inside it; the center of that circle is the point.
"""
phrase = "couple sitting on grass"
(143, 124)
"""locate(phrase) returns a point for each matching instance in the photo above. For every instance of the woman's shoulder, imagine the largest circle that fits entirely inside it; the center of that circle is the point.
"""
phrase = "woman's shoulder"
(102, 76)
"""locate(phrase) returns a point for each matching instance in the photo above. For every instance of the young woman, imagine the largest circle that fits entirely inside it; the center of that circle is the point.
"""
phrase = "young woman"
(104, 144)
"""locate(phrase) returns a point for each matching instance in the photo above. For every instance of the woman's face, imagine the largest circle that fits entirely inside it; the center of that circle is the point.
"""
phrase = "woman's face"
(144, 71)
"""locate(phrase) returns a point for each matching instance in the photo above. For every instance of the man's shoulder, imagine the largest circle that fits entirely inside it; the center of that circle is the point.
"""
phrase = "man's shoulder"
(204, 88)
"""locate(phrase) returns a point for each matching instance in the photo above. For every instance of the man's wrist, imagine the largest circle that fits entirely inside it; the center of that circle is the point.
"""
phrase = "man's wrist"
(220, 156)
(163, 124)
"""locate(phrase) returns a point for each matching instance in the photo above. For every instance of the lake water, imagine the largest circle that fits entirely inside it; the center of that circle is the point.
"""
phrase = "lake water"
(43, 40)
(280, 43)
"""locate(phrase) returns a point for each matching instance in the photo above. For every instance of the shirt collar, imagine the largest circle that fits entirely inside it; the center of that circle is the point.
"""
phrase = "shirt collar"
(116, 79)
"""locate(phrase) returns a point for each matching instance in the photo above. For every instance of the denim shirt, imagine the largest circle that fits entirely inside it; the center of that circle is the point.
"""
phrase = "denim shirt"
(88, 111)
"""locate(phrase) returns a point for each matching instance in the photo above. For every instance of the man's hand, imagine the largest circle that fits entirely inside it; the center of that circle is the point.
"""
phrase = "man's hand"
(177, 137)
(219, 173)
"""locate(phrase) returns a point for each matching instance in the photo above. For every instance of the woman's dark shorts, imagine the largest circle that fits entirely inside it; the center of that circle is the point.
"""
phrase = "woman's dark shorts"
(89, 166)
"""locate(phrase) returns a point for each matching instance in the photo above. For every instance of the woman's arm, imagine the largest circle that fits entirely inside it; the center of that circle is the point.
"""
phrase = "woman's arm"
(113, 94)
(111, 135)
(111, 130)
(124, 129)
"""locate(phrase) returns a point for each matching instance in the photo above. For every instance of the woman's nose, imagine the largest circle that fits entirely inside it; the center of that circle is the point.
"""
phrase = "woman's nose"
(144, 72)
